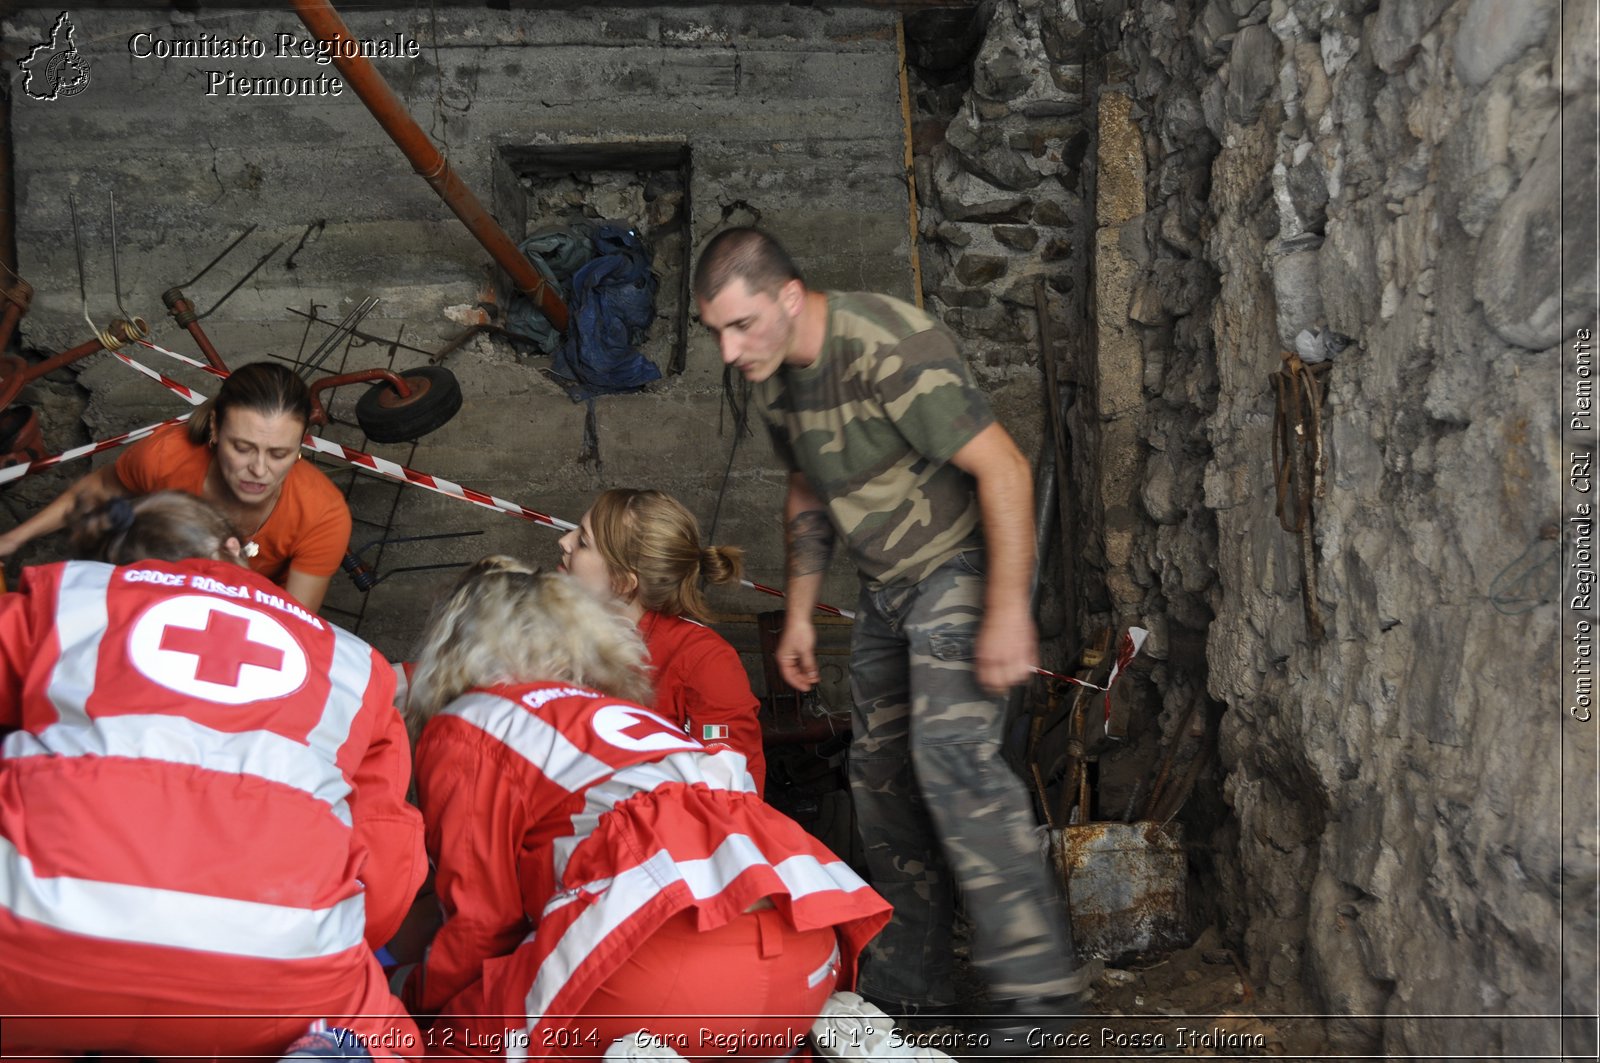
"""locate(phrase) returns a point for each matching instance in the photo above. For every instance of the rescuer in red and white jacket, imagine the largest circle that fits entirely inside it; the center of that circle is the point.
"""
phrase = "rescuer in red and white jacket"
(203, 826)
(602, 872)
(640, 550)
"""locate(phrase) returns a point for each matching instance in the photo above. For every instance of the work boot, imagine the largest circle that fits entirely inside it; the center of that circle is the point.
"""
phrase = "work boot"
(1027, 1027)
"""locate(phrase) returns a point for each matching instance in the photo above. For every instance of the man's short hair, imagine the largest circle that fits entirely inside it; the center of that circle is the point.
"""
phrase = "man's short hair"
(747, 253)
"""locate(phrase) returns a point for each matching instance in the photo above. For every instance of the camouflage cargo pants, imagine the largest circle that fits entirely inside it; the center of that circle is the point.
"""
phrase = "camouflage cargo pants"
(938, 807)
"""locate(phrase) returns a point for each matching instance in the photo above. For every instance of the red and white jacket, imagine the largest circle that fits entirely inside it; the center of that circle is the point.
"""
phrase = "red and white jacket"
(566, 826)
(701, 686)
(197, 775)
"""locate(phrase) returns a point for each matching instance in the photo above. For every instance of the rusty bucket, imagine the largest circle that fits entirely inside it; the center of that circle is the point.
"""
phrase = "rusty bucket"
(1126, 887)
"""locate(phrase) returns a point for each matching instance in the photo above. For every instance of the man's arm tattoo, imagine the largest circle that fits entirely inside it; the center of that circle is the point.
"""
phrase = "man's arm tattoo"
(810, 543)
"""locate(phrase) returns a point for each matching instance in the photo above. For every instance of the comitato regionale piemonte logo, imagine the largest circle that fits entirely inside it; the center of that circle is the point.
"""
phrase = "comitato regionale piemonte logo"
(55, 68)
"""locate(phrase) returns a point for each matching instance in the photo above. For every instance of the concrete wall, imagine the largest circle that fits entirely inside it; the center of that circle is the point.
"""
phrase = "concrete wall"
(792, 119)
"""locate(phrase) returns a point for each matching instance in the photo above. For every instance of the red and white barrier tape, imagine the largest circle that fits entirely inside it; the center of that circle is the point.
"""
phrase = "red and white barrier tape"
(188, 394)
(1133, 638)
(185, 359)
(821, 607)
(17, 472)
(438, 484)
(1127, 649)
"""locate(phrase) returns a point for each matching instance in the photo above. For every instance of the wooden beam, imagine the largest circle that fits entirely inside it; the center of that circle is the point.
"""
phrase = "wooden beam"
(910, 167)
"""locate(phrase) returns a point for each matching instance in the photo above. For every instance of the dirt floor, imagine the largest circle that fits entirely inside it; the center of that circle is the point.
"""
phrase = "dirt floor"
(1195, 1002)
(1192, 1002)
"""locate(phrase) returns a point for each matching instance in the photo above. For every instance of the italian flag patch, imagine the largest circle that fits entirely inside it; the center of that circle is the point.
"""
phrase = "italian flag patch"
(712, 731)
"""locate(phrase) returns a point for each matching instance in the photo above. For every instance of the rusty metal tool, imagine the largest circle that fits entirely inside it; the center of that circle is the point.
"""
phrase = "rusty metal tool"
(326, 25)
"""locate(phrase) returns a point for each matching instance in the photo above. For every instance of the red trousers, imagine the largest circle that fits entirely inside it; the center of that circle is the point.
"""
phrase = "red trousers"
(749, 989)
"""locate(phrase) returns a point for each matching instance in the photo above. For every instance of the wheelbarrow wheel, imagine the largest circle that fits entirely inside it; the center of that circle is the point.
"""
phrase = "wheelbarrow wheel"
(387, 418)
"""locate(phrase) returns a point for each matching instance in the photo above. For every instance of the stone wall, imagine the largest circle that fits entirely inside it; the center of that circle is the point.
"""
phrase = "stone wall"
(1000, 131)
(998, 173)
(1378, 185)
(1024, 174)
(790, 116)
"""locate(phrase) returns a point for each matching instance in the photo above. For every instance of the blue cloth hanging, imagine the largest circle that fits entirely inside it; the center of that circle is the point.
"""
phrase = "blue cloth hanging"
(612, 305)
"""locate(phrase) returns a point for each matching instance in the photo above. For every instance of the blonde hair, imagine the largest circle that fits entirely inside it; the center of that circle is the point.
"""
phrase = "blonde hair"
(652, 537)
(163, 526)
(506, 622)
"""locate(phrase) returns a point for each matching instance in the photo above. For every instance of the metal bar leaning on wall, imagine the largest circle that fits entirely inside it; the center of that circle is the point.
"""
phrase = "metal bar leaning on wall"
(324, 22)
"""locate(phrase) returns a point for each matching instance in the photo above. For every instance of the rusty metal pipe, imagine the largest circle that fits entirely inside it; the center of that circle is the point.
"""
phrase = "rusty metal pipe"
(13, 376)
(16, 373)
(51, 364)
(8, 324)
(319, 413)
(183, 312)
(202, 341)
(365, 376)
(324, 22)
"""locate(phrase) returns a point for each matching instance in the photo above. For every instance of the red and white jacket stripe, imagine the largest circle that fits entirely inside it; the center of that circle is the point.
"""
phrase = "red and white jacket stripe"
(567, 826)
(192, 761)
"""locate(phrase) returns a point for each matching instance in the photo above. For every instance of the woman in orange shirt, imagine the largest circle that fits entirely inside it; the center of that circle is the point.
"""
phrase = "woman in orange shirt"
(241, 453)
(642, 550)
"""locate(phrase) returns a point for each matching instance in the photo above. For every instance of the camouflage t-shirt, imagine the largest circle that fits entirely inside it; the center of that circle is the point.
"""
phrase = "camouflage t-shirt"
(872, 423)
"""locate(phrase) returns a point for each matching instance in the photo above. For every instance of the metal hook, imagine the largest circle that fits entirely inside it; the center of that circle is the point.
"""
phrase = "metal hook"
(137, 325)
(108, 341)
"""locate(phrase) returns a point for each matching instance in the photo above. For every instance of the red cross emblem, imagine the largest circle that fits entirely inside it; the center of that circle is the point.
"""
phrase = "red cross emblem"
(217, 651)
(640, 729)
(221, 649)
(636, 728)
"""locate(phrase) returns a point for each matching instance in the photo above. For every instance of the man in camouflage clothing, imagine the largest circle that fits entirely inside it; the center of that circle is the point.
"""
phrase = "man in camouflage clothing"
(890, 442)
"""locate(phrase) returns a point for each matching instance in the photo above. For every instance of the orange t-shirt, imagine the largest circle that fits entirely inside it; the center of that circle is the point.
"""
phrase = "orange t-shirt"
(308, 530)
